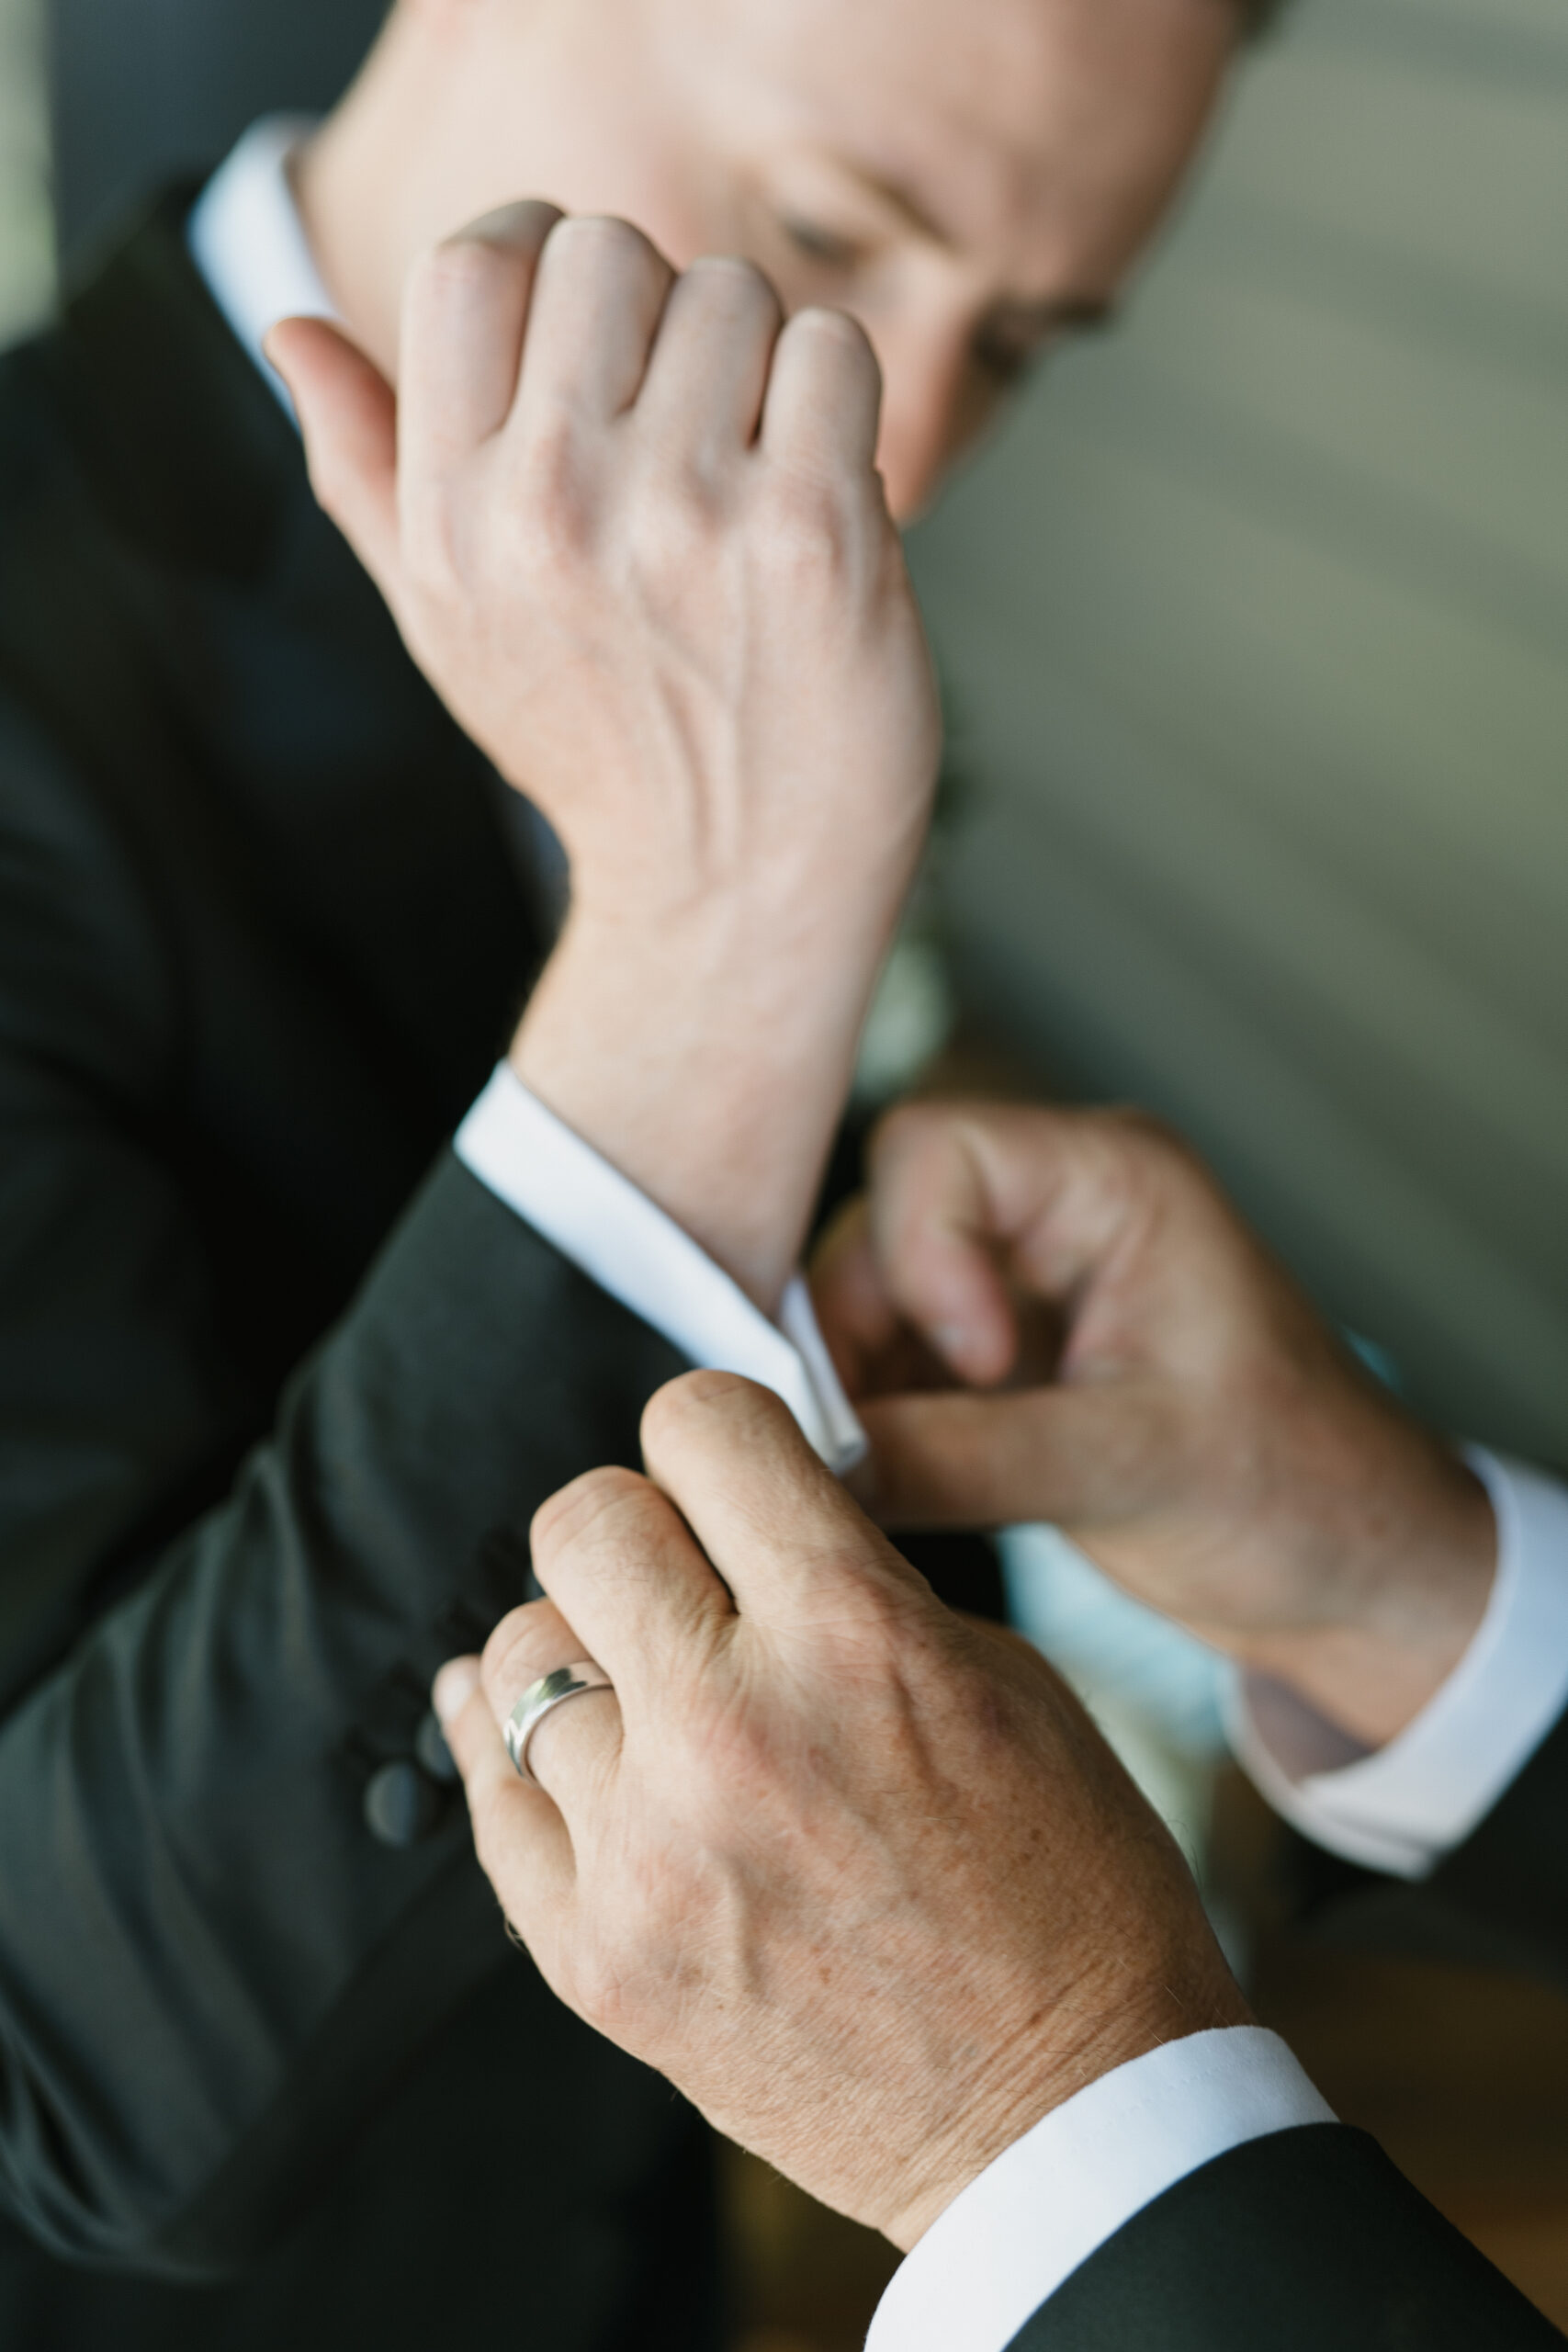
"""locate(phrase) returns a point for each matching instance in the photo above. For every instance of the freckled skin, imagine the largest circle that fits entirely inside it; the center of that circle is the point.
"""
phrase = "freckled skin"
(906, 1900)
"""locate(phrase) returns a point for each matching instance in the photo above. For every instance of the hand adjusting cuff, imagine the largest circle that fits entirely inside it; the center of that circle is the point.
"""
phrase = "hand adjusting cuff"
(541, 1699)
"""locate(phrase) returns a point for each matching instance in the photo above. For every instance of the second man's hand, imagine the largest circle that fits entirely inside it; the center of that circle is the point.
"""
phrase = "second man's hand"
(630, 527)
(1192, 1422)
(857, 1874)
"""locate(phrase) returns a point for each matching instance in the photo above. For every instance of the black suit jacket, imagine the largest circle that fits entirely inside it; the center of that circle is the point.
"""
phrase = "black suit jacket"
(263, 1467)
(280, 1387)
(1310, 2238)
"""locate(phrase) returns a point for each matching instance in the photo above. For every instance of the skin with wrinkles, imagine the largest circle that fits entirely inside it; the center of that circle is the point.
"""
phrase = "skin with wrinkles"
(1195, 1426)
(857, 1874)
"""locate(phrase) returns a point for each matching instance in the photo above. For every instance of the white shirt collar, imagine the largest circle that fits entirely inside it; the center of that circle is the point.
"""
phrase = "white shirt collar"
(247, 239)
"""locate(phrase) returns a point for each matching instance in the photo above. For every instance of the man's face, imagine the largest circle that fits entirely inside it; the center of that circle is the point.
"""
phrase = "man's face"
(972, 178)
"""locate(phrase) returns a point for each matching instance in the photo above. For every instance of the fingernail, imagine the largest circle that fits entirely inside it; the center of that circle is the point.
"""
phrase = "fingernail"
(454, 1687)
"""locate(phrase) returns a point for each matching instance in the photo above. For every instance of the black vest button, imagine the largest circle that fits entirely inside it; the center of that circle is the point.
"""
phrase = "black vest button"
(430, 1746)
(401, 1804)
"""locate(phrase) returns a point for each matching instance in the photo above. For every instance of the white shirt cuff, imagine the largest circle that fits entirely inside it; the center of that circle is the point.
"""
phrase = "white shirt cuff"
(596, 1218)
(1015, 2234)
(1405, 1806)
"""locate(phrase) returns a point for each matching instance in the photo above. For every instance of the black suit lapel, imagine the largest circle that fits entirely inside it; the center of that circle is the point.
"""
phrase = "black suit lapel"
(364, 822)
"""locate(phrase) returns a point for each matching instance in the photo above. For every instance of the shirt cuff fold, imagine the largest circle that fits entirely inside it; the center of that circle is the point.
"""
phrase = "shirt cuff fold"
(1402, 1808)
(599, 1219)
(1010, 2239)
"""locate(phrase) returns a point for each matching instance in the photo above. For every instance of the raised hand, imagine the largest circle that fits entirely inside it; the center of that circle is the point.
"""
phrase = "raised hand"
(857, 1874)
(630, 527)
(1189, 1418)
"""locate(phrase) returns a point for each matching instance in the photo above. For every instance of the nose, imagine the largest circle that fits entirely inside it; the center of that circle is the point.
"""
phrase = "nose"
(929, 411)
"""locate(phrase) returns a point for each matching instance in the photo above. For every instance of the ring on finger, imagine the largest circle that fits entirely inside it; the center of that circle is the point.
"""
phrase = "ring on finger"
(541, 1699)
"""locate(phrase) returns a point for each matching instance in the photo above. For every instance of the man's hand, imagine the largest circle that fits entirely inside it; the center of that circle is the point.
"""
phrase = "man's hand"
(857, 1874)
(630, 527)
(1139, 1370)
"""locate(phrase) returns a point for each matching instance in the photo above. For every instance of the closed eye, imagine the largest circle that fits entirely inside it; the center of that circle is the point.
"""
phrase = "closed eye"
(819, 244)
(1008, 351)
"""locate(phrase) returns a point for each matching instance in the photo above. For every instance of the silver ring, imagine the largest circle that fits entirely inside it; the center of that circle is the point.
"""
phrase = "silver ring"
(541, 1699)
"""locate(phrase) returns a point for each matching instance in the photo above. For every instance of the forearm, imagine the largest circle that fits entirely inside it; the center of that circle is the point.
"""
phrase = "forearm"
(710, 1064)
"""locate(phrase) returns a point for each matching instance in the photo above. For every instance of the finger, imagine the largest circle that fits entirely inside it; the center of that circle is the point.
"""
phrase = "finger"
(875, 1351)
(938, 1230)
(777, 1525)
(702, 394)
(1080, 1458)
(522, 1841)
(599, 292)
(824, 397)
(617, 1558)
(464, 315)
(348, 417)
(573, 1751)
(853, 1306)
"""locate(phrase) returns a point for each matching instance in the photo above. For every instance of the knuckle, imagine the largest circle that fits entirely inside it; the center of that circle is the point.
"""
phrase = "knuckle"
(603, 1978)
(735, 283)
(464, 266)
(686, 1407)
(509, 1661)
(804, 525)
(588, 1509)
(558, 493)
(676, 526)
(505, 1637)
(836, 336)
(601, 241)
(881, 1610)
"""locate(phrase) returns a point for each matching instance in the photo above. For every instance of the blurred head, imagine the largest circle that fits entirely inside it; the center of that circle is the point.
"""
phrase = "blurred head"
(975, 179)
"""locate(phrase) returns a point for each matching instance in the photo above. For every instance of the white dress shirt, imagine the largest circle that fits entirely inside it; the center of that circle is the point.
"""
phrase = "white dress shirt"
(1043, 2207)
(1401, 1808)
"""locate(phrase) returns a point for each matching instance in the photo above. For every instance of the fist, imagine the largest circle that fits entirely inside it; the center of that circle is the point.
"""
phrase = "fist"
(858, 1875)
(630, 527)
(1051, 1315)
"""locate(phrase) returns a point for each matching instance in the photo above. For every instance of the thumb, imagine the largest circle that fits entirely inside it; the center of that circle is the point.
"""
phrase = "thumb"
(349, 415)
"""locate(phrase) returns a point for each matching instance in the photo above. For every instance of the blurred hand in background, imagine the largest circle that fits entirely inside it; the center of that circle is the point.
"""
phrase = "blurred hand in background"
(1056, 1315)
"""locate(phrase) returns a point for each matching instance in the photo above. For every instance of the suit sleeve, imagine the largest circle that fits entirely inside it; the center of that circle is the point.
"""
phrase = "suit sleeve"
(1498, 1900)
(1304, 2239)
(209, 1966)
(1456, 1827)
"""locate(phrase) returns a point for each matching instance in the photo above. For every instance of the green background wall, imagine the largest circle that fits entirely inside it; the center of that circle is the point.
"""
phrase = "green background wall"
(1257, 623)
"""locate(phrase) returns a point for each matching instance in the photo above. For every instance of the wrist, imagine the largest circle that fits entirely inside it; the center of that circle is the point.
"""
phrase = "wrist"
(707, 1057)
(1414, 1586)
(1060, 2058)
